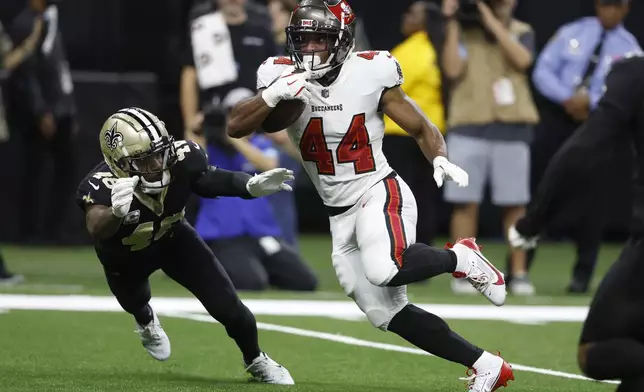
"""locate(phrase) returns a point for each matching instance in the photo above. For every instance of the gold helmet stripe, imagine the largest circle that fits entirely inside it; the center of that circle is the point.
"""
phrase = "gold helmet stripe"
(146, 125)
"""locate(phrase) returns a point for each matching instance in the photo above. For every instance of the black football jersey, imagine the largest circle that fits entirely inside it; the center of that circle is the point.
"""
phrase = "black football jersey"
(151, 217)
(616, 127)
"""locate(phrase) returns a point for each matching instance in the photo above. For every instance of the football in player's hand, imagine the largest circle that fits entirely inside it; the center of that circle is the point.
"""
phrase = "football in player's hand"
(283, 115)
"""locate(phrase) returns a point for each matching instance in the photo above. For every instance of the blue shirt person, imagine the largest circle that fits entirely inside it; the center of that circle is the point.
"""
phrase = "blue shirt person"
(230, 217)
(561, 66)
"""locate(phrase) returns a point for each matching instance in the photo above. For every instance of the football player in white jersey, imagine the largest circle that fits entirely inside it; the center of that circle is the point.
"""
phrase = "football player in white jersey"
(372, 211)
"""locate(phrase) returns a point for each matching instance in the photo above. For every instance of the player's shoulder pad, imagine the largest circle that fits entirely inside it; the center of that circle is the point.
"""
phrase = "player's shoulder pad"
(96, 188)
(271, 69)
(382, 65)
(190, 156)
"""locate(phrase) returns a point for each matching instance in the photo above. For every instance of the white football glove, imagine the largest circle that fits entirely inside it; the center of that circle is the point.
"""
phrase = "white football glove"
(518, 241)
(122, 195)
(289, 86)
(270, 182)
(446, 170)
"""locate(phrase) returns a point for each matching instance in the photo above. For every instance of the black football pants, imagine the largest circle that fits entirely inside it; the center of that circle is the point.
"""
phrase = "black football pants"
(617, 310)
(185, 258)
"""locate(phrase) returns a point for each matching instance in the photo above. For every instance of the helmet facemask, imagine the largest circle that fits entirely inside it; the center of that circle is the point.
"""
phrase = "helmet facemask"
(336, 43)
(153, 167)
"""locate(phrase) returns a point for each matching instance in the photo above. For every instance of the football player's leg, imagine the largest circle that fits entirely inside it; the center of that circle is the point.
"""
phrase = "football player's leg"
(191, 263)
(241, 259)
(132, 290)
(612, 339)
(386, 232)
(286, 269)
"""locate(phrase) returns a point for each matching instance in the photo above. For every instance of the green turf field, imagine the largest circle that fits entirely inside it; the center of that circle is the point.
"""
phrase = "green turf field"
(68, 350)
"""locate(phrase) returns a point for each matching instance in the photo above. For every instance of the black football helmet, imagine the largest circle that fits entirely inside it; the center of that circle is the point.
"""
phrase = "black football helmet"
(334, 22)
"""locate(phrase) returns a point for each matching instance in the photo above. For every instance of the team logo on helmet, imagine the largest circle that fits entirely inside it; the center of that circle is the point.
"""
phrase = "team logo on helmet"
(113, 138)
(342, 10)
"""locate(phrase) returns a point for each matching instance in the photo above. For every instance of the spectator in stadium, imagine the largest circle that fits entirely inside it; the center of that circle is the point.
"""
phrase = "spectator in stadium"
(491, 113)
(245, 234)
(419, 61)
(42, 113)
(570, 74)
(224, 50)
(10, 58)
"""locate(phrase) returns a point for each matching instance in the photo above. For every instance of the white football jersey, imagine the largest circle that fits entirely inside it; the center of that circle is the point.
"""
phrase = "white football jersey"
(341, 131)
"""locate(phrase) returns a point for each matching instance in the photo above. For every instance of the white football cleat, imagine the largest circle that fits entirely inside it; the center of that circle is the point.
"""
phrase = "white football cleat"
(463, 287)
(490, 372)
(265, 370)
(154, 339)
(473, 266)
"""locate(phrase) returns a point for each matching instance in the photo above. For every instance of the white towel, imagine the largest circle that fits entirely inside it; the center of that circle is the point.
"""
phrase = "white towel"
(213, 51)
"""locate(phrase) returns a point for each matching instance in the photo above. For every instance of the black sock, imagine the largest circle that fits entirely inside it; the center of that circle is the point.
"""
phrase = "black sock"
(615, 359)
(144, 316)
(421, 262)
(432, 334)
(242, 328)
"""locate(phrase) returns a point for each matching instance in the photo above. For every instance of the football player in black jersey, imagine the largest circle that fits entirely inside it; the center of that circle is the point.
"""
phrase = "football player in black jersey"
(612, 339)
(134, 209)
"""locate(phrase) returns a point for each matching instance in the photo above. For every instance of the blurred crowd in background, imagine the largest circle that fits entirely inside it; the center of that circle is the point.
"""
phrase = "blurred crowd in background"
(504, 103)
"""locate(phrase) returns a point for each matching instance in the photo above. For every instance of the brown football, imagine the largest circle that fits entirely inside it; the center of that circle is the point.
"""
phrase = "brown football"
(283, 115)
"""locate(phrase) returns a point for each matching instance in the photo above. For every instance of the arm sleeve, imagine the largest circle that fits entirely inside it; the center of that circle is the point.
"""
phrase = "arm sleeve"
(206, 180)
(570, 171)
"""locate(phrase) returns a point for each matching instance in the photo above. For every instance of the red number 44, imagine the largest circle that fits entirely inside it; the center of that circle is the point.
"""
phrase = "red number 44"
(353, 148)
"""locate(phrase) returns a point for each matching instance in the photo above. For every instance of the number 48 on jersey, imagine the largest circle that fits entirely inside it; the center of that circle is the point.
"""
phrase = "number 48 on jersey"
(355, 147)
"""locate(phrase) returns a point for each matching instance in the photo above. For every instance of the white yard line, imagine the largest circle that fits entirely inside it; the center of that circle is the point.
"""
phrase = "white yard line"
(189, 308)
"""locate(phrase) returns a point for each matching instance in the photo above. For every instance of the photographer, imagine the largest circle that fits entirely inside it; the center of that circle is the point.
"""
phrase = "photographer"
(245, 235)
(491, 113)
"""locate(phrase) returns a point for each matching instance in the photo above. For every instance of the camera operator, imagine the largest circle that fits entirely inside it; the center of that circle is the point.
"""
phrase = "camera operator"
(491, 113)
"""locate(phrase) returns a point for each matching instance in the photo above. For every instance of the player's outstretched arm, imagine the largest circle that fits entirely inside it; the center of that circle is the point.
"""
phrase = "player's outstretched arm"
(605, 134)
(216, 182)
(247, 116)
(406, 113)
(101, 223)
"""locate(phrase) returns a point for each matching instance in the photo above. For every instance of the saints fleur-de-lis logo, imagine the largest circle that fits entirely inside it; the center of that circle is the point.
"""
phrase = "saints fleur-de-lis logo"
(113, 138)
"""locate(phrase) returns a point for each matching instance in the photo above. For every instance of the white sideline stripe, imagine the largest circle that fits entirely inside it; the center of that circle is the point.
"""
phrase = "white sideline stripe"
(312, 308)
(366, 343)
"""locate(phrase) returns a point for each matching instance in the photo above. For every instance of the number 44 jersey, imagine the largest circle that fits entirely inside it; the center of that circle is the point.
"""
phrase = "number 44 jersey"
(341, 131)
(151, 218)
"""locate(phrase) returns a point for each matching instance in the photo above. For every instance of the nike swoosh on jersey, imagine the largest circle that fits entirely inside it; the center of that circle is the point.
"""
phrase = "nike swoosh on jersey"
(96, 187)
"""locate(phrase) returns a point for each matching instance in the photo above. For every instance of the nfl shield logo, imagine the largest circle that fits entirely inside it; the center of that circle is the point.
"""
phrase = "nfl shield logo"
(325, 93)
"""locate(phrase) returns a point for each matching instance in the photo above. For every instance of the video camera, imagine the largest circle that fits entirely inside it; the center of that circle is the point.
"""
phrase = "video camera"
(468, 12)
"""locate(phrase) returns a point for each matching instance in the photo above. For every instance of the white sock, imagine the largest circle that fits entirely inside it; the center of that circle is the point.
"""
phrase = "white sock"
(462, 253)
(486, 361)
